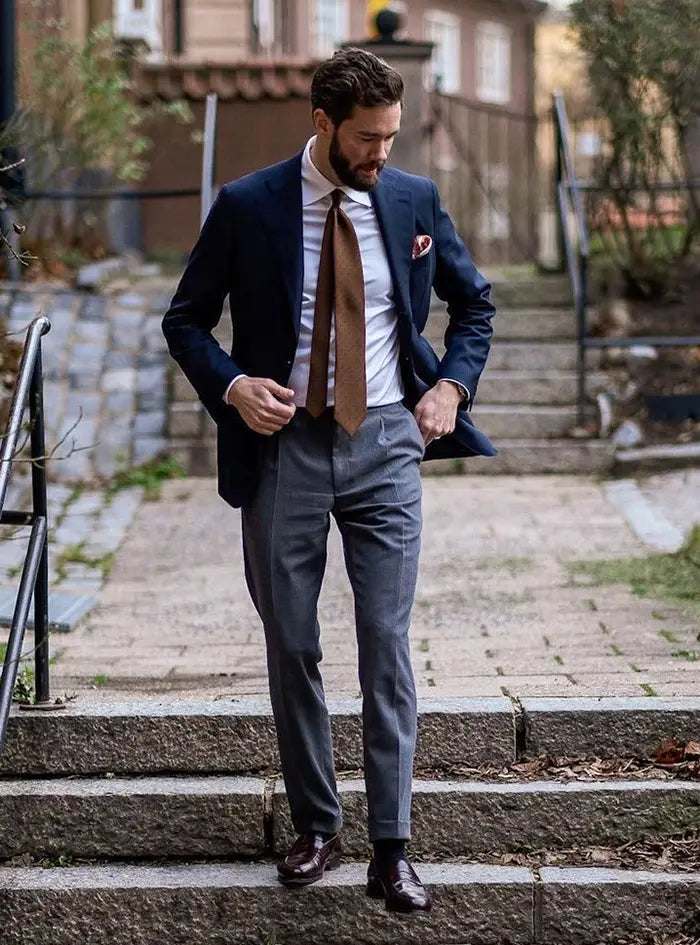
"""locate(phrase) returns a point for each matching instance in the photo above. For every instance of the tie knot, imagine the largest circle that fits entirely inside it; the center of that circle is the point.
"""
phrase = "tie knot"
(336, 197)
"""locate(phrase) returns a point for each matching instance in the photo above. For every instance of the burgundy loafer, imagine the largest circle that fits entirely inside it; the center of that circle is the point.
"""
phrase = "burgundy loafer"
(398, 884)
(308, 859)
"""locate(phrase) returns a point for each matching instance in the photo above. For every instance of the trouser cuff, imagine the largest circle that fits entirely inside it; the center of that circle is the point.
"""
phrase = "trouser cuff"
(390, 830)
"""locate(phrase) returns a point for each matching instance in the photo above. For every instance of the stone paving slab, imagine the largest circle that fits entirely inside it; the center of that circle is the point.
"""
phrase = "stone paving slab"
(597, 906)
(608, 727)
(233, 737)
(215, 816)
(463, 819)
(122, 818)
(497, 609)
(243, 904)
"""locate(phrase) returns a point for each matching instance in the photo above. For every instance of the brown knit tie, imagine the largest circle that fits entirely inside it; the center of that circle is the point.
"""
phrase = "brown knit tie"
(340, 281)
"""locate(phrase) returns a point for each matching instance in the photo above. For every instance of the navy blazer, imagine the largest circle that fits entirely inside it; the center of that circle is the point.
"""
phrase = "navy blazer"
(251, 249)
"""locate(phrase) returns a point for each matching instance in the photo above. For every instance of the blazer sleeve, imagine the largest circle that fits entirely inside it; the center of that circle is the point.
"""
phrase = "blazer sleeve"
(467, 293)
(197, 305)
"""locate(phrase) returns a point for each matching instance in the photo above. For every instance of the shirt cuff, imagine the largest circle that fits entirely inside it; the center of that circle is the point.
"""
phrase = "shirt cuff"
(463, 390)
(236, 378)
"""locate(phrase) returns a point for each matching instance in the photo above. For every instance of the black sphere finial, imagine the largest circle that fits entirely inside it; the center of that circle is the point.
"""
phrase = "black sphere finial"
(388, 22)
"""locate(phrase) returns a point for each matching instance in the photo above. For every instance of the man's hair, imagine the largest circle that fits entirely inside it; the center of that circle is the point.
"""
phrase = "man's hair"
(354, 77)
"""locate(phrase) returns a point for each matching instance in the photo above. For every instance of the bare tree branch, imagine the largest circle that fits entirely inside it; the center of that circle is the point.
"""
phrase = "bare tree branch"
(23, 258)
(16, 458)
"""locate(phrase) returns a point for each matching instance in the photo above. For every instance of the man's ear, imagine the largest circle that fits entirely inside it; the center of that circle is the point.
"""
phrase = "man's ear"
(322, 123)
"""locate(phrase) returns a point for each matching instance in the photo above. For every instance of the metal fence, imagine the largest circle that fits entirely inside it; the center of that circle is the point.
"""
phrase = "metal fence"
(483, 159)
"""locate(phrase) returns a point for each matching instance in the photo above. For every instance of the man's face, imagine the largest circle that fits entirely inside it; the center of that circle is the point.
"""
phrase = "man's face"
(359, 148)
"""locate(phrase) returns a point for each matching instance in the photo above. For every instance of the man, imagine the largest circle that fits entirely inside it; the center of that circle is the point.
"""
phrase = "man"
(327, 404)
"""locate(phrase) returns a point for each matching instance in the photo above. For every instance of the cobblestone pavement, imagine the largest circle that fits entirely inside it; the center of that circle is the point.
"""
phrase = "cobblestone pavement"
(105, 396)
(105, 368)
(497, 609)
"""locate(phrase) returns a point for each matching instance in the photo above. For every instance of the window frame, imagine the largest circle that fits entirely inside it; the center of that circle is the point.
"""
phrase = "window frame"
(129, 22)
(496, 39)
(451, 83)
(341, 13)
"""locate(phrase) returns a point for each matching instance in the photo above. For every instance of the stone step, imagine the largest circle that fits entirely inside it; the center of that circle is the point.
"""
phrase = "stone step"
(536, 324)
(547, 291)
(179, 736)
(168, 817)
(531, 387)
(521, 456)
(532, 457)
(544, 356)
(514, 421)
(243, 904)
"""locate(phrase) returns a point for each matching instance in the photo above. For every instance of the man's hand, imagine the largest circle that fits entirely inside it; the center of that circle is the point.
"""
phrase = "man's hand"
(260, 401)
(436, 411)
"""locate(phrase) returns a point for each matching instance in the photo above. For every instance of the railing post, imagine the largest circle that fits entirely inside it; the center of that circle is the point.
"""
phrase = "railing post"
(558, 178)
(581, 301)
(208, 156)
(41, 590)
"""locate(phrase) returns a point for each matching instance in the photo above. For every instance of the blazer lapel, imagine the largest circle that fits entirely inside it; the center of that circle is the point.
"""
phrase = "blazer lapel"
(283, 217)
(394, 209)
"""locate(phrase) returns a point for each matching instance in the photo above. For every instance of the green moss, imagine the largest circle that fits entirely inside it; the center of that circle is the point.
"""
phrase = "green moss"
(690, 655)
(76, 554)
(672, 577)
(23, 690)
(150, 476)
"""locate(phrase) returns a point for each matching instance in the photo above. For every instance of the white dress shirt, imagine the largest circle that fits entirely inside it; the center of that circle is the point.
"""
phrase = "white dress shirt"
(384, 383)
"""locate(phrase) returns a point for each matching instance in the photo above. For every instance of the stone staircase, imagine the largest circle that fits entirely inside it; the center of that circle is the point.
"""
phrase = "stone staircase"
(160, 821)
(526, 402)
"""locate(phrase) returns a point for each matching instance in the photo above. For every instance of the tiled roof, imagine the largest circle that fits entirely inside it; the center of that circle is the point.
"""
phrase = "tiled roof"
(246, 80)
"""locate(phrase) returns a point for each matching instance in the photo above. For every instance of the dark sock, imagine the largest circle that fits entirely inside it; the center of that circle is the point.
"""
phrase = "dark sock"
(386, 851)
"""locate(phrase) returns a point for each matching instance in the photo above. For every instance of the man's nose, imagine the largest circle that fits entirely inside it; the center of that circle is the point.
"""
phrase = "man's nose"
(381, 152)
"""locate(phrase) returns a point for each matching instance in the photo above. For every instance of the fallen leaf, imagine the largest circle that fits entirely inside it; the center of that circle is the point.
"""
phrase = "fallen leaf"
(692, 750)
(669, 752)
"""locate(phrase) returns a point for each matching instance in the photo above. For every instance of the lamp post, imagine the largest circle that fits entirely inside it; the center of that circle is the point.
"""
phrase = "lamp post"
(7, 60)
(7, 109)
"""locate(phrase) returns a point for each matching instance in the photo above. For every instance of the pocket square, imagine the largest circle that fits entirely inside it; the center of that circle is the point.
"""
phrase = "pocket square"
(421, 246)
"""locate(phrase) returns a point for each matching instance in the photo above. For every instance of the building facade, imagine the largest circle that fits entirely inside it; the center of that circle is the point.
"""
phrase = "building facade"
(258, 55)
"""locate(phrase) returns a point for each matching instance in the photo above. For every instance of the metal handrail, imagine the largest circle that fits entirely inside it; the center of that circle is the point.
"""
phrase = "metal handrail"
(576, 259)
(567, 186)
(35, 573)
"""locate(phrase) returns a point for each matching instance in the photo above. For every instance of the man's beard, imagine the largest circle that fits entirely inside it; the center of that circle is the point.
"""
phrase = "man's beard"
(351, 177)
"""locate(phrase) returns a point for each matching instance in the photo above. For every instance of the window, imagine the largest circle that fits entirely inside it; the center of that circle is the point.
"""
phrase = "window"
(444, 71)
(270, 27)
(493, 62)
(139, 19)
(330, 26)
(494, 221)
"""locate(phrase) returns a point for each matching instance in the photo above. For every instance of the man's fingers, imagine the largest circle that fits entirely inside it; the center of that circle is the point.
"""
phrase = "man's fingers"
(273, 407)
(276, 410)
(284, 393)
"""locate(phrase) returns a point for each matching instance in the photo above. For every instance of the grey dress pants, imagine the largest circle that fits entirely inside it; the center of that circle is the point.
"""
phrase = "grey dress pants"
(370, 483)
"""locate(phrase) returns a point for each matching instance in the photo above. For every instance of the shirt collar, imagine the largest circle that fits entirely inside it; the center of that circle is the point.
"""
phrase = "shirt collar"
(314, 186)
